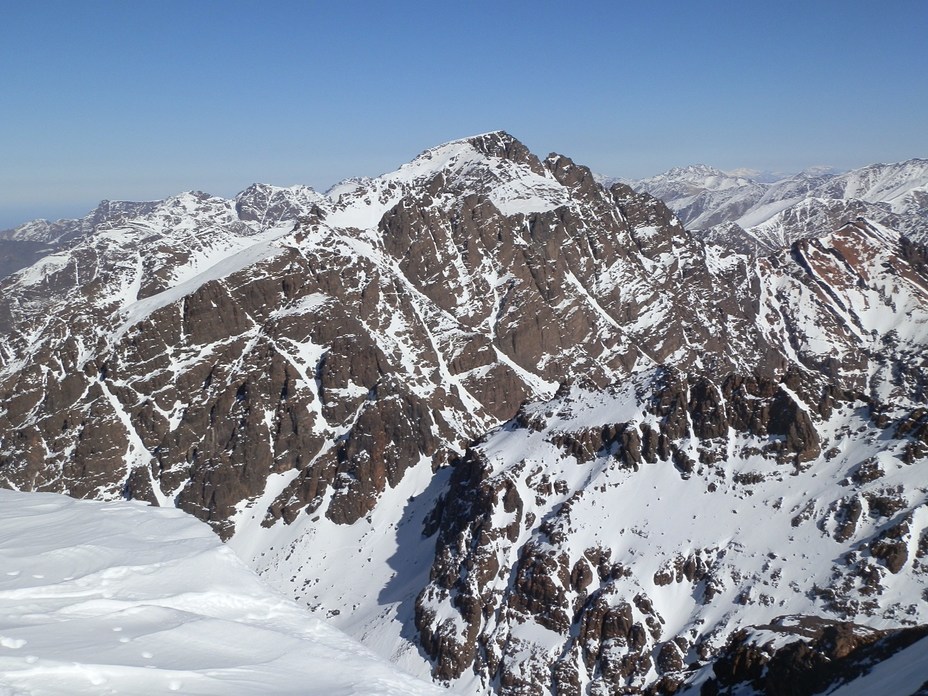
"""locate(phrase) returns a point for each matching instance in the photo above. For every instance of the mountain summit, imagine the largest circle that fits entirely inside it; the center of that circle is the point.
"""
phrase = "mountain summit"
(510, 428)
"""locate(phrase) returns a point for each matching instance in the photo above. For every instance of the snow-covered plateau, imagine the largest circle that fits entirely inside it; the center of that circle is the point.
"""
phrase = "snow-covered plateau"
(513, 431)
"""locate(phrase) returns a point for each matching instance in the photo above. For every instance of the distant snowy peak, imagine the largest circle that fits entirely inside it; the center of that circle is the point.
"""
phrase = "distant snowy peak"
(65, 230)
(265, 204)
(889, 183)
(703, 196)
(816, 170)
(259, 206)
(704, 177)
(32, 231)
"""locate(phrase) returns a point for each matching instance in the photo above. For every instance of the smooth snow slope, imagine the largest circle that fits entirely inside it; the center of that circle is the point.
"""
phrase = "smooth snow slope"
(903, 673)
(118, 598)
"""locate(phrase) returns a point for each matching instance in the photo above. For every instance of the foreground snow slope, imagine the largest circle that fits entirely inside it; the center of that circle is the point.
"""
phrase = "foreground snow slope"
(903, 673)
(106, 598)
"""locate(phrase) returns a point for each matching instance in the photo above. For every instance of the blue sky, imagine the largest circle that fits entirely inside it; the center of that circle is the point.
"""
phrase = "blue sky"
(140, 100)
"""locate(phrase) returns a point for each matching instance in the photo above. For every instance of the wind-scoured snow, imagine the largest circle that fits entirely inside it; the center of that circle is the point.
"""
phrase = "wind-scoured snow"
(374, 602)
(119, 598)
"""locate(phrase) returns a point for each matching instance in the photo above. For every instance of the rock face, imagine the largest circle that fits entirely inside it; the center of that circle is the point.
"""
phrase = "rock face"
(571, 546)
(518, 430)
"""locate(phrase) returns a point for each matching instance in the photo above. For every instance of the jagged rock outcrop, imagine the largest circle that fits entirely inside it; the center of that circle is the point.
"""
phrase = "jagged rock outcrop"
(548, 529)
(480, 279)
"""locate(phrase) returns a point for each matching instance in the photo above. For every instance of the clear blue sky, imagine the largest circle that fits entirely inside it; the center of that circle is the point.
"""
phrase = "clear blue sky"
(131, 99)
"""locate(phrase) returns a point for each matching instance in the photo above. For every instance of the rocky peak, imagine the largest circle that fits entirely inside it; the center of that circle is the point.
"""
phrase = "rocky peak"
(570, 174)
(488, 147)
(501, 145)
(494, 167)
(108, 211)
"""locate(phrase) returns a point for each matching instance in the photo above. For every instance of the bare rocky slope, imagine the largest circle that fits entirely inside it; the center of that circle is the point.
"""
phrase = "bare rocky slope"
(509, 428)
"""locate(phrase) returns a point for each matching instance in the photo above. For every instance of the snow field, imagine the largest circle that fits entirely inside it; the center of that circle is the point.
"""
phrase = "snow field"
(120, 598)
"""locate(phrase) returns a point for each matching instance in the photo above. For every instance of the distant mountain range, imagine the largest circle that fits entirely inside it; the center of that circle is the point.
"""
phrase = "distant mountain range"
(754, 215)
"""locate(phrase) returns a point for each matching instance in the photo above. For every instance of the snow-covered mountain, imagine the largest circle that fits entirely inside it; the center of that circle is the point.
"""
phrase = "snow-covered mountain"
(259, 206)
(100, 598)
(749, 214)
(510, 429)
